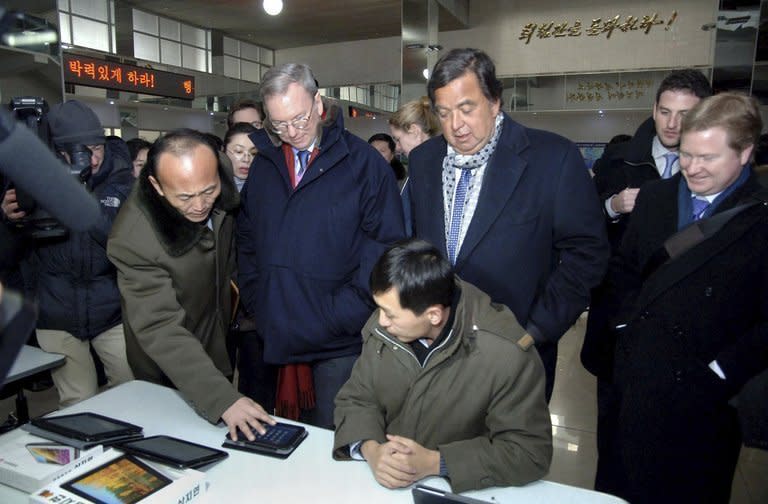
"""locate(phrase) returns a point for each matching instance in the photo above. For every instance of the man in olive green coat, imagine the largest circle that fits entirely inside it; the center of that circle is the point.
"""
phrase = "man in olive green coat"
(172, 244)
(443, 386)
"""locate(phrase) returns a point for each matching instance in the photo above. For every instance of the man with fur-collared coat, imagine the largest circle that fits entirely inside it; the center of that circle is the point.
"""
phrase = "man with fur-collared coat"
(173, 248)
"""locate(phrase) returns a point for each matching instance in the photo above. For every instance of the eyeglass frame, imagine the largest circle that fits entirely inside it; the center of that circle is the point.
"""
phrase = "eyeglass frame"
(276, 130)
(241, 155)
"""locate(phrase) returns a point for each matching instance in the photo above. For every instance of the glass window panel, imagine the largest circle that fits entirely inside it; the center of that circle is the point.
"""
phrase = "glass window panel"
(207, 39)
(193, 36)
(231, 46)
(66, 35)
(112, 17)
(149, 135)
(145, 47)
(170, 52)
(144, 22)
(113, 38)
(91, 34)
(192, 57)
(96, 9)
(231, 67)
(267, 56)
(170, 29)
(210, 61)
(344, 93)
(249, 51)
(250, 71)
(64, 5)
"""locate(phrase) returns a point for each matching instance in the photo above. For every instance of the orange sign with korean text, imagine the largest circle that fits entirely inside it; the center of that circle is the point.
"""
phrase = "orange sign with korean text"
(99, 73)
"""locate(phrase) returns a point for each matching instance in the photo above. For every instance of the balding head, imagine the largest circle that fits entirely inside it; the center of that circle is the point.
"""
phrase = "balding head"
(184, 169)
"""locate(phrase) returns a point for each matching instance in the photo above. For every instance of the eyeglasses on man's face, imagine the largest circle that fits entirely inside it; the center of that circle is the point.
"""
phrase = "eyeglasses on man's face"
(300, 123)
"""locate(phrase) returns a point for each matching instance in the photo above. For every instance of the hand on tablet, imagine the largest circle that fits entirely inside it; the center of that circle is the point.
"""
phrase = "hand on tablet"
(246, 414)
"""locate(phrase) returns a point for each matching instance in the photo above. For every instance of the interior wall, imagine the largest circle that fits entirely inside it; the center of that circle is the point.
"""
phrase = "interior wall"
(346, 63)
(497, 26)
(584, 126)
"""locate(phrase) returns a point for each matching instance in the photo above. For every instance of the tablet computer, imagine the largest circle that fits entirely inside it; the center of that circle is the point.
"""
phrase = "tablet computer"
(173, 451)
(124, 480)
(423, 494)
(86, 426)
(279, 441)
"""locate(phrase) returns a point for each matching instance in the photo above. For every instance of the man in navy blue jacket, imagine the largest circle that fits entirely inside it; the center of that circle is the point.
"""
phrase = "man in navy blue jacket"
(318, 209)
(513, 208)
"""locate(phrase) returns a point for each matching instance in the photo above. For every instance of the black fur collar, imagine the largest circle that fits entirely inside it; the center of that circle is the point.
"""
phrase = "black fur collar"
(177, 234)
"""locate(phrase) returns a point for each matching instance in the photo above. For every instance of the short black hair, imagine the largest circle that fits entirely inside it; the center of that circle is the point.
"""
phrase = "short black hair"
(244, 104)
(177, 142)
(383, 137)
(419, 272)
(687, 79)
(236, 129)
(620, 138)
(460, 61)
(136, 145)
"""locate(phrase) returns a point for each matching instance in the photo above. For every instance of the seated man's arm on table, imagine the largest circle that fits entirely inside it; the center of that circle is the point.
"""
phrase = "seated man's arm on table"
(151, 310)
(518, 448)
(361, 431)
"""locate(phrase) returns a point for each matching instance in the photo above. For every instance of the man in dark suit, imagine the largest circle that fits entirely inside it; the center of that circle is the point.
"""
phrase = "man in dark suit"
(650, 155)
(694, 328)
(513, 208)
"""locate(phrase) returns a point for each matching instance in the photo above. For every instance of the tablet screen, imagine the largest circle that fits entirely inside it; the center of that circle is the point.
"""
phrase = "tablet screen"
(174, 449)
(88, 425)
(124, 480)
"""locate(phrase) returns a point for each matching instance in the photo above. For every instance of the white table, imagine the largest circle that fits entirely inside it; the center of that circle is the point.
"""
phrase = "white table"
(30, 361)
(308, 475)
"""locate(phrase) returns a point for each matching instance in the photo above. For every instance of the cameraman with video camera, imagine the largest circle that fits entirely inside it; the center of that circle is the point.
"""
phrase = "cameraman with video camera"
(70, 276)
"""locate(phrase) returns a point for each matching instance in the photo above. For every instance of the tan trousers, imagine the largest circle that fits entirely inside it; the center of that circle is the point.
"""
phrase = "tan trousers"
(76, 379)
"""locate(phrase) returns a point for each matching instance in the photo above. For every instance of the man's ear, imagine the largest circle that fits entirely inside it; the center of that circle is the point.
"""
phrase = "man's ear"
(319, 103)
(156, 185)
(435, 314)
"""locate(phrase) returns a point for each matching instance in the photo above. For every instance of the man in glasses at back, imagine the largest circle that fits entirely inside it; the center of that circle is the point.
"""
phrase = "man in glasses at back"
(318, 209)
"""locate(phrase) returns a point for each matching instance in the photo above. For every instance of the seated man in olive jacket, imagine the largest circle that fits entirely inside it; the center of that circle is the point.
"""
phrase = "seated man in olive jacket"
(173, 247)
(441, 387)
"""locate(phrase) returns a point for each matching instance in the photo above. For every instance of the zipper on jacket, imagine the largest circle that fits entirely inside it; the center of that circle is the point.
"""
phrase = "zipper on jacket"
(398, 344)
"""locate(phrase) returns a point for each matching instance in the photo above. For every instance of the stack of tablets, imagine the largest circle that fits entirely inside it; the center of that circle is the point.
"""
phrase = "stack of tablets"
(83, 430)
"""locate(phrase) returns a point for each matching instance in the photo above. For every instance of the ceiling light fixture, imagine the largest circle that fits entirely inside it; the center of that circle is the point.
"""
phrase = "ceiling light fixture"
(273, 7)
(425, 73)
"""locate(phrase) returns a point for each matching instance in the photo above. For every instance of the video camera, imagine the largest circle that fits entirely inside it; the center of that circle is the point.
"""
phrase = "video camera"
(32, 111)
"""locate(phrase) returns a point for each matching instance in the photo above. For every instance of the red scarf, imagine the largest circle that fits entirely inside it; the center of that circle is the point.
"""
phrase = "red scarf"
(295, 390)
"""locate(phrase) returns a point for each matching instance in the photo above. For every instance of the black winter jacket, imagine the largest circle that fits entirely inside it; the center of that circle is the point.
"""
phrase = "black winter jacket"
(71, 277)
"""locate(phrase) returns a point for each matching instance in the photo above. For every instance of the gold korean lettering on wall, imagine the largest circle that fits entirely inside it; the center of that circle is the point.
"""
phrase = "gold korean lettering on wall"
(597, 91)
(599, 26)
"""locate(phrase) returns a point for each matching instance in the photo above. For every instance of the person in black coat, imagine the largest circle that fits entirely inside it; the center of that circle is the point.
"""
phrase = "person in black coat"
(527, 228)
(650, 155)
(694, 327)
(70, 276)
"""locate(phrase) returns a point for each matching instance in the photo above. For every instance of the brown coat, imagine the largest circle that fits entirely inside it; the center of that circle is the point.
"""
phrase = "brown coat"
(479, 398)
(174, 279)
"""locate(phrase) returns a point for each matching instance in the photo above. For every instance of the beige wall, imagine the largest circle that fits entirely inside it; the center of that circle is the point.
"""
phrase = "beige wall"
(496, 26)
(344, 63)
(585, 126)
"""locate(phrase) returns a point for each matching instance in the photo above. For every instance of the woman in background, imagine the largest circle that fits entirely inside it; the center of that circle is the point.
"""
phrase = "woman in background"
(139, 149)
(413, 124)
(386, 147)
(240, 151)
